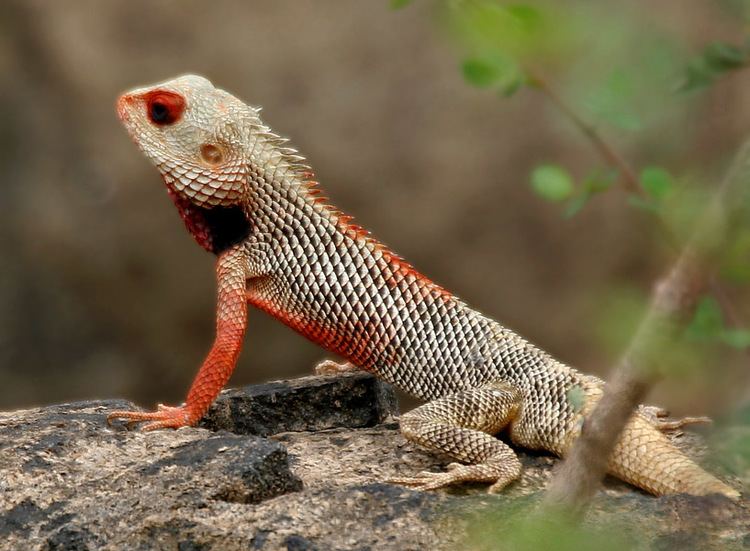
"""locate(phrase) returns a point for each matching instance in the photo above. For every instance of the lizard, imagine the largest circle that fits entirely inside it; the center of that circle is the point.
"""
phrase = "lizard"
(250, 199)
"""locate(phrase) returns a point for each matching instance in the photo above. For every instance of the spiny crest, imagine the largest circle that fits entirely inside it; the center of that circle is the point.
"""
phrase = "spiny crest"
(289, 155)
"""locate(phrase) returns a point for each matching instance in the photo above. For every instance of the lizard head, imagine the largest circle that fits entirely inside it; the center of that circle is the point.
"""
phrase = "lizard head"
(195, 134)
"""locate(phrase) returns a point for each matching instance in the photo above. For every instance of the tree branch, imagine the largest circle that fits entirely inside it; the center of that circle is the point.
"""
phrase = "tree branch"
(673, 300)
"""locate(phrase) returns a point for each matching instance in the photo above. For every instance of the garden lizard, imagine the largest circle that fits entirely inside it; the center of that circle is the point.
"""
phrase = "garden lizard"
(251, 200)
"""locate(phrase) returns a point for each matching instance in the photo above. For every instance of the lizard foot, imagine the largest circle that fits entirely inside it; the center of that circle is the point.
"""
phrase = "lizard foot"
(330, 367)
(659, 418)
(164, 417)
(455, 474)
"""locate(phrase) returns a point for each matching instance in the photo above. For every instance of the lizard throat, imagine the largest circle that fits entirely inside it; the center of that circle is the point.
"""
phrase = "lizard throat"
(215, 229)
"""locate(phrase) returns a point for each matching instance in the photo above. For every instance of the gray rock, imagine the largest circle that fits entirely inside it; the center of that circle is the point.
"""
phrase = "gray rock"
(68, 481)
(306, 404)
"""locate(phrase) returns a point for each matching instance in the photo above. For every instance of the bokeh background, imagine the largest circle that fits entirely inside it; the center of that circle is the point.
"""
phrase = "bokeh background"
(103, 293)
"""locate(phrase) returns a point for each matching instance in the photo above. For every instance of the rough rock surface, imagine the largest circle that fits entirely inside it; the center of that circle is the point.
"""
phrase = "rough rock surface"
(68, 481)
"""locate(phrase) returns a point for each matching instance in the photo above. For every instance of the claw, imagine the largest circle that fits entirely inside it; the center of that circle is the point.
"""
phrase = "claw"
(330, 367)
(164, 417)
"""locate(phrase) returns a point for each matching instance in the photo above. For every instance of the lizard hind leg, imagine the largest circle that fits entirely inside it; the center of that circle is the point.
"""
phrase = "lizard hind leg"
(462, 426)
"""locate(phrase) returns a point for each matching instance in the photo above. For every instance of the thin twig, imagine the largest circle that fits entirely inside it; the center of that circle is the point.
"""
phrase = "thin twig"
(611, 156)
(580, 475)
(630, 181)
(673, 299)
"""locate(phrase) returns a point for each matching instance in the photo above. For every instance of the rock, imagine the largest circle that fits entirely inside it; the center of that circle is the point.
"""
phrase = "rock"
(307, 404)
(68, 481)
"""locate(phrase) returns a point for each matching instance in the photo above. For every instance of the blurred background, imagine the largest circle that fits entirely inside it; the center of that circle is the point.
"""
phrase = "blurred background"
(408, 126)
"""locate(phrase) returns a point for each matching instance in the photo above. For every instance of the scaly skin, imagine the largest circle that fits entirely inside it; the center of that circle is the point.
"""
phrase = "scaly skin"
(281, 247)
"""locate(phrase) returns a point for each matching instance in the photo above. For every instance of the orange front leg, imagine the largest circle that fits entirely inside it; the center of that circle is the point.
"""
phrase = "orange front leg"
(231, 322)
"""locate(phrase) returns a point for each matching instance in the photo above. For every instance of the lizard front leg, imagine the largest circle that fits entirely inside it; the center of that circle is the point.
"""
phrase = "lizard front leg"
(462, 426)
(231, 322)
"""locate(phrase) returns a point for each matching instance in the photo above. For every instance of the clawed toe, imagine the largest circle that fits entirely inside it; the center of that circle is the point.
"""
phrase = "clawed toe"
(426, 480)
(675, 424)
(659, 418)
(164, 417)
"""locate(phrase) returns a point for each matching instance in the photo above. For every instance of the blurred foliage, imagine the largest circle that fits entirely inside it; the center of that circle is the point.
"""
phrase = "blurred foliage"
(552, 182)
(715, 61)
(398, 4)
(700, 345)
(730, 444)
(708, 324)
(735, 265)
(621, 308)
(658, 184)
(499, 71)
(514, 526)
(505, 44)
(582, 59)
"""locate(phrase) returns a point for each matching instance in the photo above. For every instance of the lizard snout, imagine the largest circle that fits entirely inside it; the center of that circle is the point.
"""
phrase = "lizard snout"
(123, 105)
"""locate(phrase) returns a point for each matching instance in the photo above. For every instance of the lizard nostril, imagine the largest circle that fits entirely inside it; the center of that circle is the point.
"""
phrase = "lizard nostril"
(212, 154)
(122, 107)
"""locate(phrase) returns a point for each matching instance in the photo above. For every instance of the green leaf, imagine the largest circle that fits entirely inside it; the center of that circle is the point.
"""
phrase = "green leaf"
(599, 181)
(528, 16)
(736, 338)
(576, 204)
(398, 4)
(596, 182)
(479, 72)
(708, 324)
(716, 59)
(552, 182)
(708, 321)
(511, 87)
(736, 261)
(657, 182)
(721, 57)
(697, 75)
(499, 71)
(614, 100)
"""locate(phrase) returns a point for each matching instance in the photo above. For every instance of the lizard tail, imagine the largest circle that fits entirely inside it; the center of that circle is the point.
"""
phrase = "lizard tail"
(646, 458)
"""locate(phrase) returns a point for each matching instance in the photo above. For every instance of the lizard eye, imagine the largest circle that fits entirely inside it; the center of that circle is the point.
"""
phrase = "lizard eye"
(164, 108)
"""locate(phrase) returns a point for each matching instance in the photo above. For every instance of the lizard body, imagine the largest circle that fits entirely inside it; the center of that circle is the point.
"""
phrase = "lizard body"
(248, 198)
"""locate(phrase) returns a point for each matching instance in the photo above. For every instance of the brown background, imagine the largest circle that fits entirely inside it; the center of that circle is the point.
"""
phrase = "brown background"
(103, 293)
